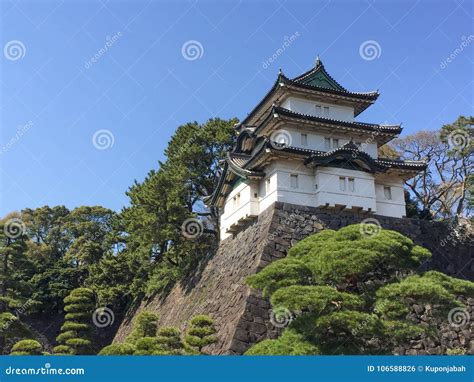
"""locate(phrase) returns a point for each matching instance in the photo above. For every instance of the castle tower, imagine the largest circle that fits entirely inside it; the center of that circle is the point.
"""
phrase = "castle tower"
(302, 145)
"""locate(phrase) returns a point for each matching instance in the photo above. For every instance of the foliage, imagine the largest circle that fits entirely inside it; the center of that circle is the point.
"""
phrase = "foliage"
(350, 292)
(15, 285)
(27, 347)
(201, 332)
(145, 325)
(168, 342)
(118, 349)
(289, 343)
(76, 333)
(167, 198)
(442, 190)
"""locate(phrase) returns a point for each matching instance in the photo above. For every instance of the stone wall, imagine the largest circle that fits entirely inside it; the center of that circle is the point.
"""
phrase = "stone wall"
(242, 315)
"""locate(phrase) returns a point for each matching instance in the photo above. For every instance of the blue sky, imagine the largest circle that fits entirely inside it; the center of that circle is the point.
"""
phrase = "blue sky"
(139, 88)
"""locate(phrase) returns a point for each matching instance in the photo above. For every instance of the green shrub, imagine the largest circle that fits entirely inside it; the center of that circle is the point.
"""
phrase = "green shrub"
(144, 325)
(289, 343)
(169, 341)
(76, 332)
(118, 349)
(347, 292)
(27, 347)
(201, 332)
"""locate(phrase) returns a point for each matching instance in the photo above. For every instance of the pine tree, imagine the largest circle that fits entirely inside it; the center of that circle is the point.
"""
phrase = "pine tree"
(118, 349)
(76, 332)
(168, 342)
(15, 286)
(27, 347)
(145, 325)
(349, 292)
(201, 332)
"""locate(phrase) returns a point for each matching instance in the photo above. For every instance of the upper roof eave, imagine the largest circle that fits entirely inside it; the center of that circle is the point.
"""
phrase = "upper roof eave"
(362, 99)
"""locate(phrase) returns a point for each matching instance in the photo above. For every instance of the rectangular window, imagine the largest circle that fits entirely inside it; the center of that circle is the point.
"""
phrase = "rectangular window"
(326, 111)
(342, 183)
(267, 185)
(294, 181)
(327, 143)
(304, 139)
(318, 110)
(387, 191)
(335, 143)
(351, 184)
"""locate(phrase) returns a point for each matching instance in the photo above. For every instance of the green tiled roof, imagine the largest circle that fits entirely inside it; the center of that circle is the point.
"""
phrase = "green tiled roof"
(318, 77)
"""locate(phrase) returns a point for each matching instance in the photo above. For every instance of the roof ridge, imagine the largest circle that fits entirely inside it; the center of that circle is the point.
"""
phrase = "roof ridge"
(319, 68)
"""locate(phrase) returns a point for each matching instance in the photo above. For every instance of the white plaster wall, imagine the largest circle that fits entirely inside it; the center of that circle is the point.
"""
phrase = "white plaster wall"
(328, 191)
(267, 198)
(304, 194)
(298, 105)
(396, 206)
(368, 193)
(248, 206)
(315, 141)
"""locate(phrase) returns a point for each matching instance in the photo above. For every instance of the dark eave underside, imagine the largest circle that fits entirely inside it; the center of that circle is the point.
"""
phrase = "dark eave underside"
(391, 130)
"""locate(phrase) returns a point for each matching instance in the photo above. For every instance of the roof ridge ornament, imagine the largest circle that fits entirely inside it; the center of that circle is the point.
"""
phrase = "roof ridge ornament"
(318, 61)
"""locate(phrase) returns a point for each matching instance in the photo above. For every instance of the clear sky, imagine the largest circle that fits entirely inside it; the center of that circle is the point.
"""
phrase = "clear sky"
(138, 69)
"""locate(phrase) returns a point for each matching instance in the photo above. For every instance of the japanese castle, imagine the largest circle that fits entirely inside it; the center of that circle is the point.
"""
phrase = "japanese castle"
(302, 145)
